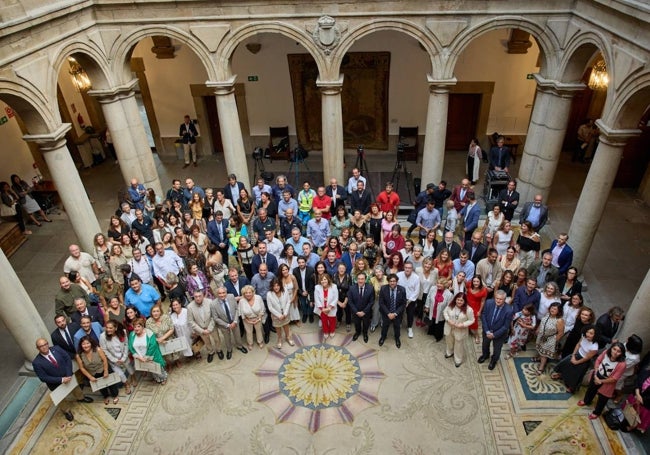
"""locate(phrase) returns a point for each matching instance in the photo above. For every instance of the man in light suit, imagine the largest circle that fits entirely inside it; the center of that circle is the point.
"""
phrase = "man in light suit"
(496, 317)
(218, 234)
(392, 303)
(360, 298)
(338, 195)
(53, 366)
(63, 335)
(470, 215)
(225, 313)
(535, 212)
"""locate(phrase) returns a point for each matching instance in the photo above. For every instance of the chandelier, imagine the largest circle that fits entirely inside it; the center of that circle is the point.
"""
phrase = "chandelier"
(79, 77)
(599, 78)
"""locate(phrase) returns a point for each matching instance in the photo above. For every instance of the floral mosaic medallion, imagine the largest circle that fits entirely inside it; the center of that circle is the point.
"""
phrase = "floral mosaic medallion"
(315, 384)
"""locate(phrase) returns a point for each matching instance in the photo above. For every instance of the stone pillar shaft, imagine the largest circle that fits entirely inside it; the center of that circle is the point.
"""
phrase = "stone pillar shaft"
(595, 191)
(638, 315)
(231, 137)
(545, 136)
(433, 157)
(332, 129)
(18, 313)
(141, 142)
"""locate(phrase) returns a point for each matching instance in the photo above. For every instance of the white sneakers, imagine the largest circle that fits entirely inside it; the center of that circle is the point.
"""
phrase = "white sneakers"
(410, 332)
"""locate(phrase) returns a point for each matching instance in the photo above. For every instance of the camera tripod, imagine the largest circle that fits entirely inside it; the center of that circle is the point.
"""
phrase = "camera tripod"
(258, 155)
(362, 165)
(298, 157)
(400, 165)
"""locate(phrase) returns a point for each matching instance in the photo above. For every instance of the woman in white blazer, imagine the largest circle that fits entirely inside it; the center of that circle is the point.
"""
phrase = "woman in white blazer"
(279, 305)
(438, 298)
(326, 296)
(458, 317)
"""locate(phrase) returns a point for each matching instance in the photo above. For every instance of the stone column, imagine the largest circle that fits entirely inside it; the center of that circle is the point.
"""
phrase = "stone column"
(595, 191)
(141, 142)
(433, 156)
(231, 137)
(638, 315)
(118, 124)
(332, 130)
(69, 185)
(18, 312)
(545, 136)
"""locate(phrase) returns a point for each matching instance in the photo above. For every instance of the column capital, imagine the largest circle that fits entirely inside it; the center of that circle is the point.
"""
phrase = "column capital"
(564, 89)
(49, 141)
(333, 87)
(440, 85)
(222, 88)
(613, 137)
(112, 94)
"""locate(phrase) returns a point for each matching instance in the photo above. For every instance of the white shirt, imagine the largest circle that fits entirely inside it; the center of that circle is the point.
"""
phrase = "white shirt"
(142, 269)
(352, 183)
(411, 284)
(274, 247)
(83, 265)
(170, 262)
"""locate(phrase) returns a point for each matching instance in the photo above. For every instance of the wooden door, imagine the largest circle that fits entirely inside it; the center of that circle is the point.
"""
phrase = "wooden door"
(462, 119)
(213, 123)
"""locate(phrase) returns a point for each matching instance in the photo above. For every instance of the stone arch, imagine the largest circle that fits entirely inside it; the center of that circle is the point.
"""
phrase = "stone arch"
(630, 103)
(121, 55)
(579, 52)
(428, 41)
(545, 41)
(227, 47)
(91, 59)
(31, 107)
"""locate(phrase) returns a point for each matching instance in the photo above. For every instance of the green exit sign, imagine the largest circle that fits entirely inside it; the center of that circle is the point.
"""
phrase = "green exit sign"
(253, 78)
(528, 76)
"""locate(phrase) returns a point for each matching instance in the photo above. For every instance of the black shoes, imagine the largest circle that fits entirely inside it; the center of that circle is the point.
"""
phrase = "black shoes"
(482, 359)
(448, 356)
(311, 318)
(355, 337)
(398, 343)
(365, 337)
(381, 341)
(220, 355)
(304, 319)
(266, 338)
(229, 355)
(492, 364)
(68, 415)
(85, 399)
(210, 358)
(242, 349)
(273, 330)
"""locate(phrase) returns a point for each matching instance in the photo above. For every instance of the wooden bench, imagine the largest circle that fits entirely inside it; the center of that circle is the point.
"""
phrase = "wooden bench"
(10, 237)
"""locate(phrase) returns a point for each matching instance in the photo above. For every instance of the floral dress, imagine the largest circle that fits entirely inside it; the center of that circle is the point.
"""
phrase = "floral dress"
(165, 325)
(519, 335)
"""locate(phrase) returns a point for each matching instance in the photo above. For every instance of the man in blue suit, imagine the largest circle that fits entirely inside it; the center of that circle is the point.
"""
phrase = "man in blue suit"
(53, 366)
(470, 215)
(264, 257)
(360, 298)
(562, 253)
(218, 234)
(496, 317)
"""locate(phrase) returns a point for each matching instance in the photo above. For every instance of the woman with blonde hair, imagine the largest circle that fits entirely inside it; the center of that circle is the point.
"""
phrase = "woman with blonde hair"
(253, 313)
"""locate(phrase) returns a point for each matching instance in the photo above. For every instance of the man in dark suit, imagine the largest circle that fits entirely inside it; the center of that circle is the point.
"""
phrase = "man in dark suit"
(360, 298)
(232, 189)
(235, 283)
(84, 310)
(338, 194)
(476, 249)
(53, 366)
(264, 257)
(306, 284)
(392, 302)
(188, 134)
(470, 215)
(218, 234)
(360, 199)
(63, 335)
(499, 156)
(496, 317)
(562, 253)
(449, 245)
(535, 212)
(509, 200)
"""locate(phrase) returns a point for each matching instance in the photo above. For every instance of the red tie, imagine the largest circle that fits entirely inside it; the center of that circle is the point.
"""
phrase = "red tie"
(51, 358)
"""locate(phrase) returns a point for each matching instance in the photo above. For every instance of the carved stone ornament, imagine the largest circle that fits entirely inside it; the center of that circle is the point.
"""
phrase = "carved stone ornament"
(327, 34)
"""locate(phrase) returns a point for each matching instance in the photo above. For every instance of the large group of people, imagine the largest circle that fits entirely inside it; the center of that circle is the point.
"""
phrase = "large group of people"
(238, 264)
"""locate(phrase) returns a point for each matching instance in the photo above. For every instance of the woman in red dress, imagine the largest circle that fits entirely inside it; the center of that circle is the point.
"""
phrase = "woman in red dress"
(476, 295)
(444, 265)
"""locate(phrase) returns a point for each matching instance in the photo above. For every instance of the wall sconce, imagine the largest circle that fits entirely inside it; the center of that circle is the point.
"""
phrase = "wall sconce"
(253, 48)
(80, 79)
(598, 80)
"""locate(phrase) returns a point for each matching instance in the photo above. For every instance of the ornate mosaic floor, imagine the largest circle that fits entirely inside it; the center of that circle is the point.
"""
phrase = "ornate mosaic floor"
(337, 396)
